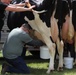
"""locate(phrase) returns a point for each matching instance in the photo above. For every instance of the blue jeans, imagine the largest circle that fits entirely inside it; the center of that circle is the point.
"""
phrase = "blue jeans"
(17, 65)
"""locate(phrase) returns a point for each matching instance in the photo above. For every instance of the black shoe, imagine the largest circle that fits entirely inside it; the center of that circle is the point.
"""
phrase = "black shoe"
(4, 68)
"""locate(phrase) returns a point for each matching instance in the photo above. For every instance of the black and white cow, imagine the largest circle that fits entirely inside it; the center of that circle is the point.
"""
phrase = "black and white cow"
(45, 19)
(67, 23)
(68, 26)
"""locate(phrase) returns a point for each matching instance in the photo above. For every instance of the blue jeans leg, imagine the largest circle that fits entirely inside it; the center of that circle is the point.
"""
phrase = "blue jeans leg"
(18, 65)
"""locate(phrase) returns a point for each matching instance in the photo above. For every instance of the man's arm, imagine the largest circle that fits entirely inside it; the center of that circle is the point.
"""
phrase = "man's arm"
(15, 8)
(35, 43)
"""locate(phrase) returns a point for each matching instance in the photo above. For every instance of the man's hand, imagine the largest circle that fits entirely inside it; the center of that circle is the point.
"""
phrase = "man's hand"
(31, 7)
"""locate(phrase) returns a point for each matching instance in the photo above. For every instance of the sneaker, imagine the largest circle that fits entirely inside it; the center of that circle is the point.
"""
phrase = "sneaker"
(4, 68)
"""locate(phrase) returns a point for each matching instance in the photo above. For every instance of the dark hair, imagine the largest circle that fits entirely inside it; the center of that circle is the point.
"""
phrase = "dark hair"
(26, 26)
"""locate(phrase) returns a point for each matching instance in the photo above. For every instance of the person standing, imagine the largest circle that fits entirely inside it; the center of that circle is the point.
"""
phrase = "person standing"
(6, 6)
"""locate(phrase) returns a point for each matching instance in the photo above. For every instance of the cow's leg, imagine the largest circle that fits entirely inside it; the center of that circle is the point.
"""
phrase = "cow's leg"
(54, 29)
(45, 32)
(51, 47)
(60, 45)
(51, 63)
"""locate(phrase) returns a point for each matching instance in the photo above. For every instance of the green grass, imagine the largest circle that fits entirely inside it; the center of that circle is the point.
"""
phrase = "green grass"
(39, 67)
(1, 53)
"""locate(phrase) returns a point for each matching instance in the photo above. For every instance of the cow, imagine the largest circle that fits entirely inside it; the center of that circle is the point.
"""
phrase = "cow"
(67, 29)
(45, 20)
(68, 26)
(67, 23)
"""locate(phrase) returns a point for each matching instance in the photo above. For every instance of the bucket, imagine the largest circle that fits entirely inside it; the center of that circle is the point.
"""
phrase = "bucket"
(68, 62)
(44, 52)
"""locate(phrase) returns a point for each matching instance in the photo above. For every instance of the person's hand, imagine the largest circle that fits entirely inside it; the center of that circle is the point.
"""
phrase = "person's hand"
(30, 8)
(29, 5)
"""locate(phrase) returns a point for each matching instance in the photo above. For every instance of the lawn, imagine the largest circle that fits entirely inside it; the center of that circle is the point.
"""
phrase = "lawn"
(40, 66)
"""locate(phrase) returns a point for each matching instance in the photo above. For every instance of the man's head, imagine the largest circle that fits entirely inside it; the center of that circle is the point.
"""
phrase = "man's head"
(28, 29)
(26, 26)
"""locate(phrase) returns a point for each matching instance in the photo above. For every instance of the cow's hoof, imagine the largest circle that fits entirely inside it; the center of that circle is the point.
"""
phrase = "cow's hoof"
(60, 69)
(50, 71)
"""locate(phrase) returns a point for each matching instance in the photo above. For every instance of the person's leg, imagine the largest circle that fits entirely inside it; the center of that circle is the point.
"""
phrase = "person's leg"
(18, 66)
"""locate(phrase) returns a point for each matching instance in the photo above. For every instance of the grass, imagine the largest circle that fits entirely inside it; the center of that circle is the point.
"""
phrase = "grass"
(40, 66)
(1, 53)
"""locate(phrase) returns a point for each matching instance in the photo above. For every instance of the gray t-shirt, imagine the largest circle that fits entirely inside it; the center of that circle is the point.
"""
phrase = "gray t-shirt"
(14, 44)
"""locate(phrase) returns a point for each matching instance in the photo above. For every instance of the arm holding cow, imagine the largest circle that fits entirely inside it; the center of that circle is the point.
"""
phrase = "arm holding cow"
(17, 8)
(20, 4)
(35, 43)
